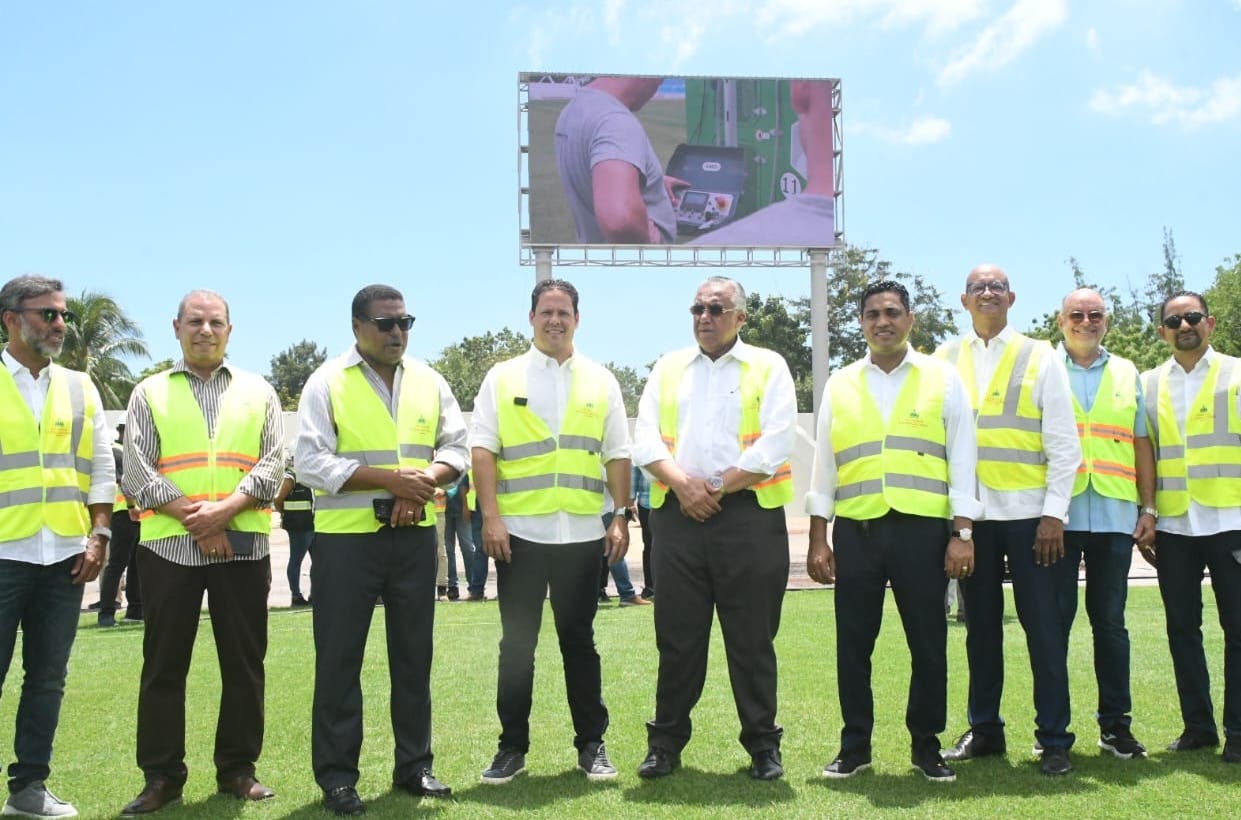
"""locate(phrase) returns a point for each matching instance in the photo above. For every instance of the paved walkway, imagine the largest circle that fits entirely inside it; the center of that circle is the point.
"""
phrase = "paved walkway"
(799, 526)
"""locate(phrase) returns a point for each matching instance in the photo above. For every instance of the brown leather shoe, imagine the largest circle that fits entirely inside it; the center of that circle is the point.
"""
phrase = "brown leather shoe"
(246, 787)
(157, 793)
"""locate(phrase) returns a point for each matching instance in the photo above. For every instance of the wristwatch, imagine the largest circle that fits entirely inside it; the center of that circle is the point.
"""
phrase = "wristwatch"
(623, 512)
(963, 534)
(716, 482)
(1151, 511)
(102, 532)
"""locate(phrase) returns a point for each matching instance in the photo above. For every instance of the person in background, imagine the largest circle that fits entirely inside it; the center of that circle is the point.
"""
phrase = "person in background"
(296, 504)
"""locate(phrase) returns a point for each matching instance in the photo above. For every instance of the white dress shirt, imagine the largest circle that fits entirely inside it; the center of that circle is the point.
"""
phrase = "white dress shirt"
(884, 388)
(1063, 449)
(46, 547)
(547, 389)
(709, 416)
(1183, 388)
(314, 453)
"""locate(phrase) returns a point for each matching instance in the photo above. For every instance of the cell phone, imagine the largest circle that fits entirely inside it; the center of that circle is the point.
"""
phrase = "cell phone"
(241, 543)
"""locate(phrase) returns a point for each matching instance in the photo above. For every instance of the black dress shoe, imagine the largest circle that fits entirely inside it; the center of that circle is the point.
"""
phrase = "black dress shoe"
(157, 793)
(245, 787)
(1232, 750)
(971, 745)
(1191, 739)
(658, 763)
(1055, 761)
(424, 784)
(765, 765)
(343, 801)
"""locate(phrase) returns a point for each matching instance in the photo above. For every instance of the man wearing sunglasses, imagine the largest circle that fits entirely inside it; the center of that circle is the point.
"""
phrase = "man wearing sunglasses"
(1028, 455)
(203, 451)
(548, 435)
(715, 430)
(378, 432)
(1193, 407)
(56, 468)
(1113, 504)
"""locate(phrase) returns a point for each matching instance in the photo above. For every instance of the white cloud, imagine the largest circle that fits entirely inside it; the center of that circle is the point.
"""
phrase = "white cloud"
(1005, 38)
(800, 16)
(1168, 104)
(922, 131)
(1092, 40)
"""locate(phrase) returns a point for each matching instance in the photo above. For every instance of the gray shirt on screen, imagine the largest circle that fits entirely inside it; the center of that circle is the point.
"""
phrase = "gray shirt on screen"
(594, 127)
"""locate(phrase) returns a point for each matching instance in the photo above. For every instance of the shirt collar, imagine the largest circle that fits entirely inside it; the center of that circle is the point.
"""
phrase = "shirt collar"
(353, 358)
(908, 361)
(15, 367)
(1072, 365)
(1005, 335)
(182, 367)
(541, 359)
(740, 351)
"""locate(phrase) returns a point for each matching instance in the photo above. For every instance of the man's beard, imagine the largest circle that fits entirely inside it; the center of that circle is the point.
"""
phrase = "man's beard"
(44, 345)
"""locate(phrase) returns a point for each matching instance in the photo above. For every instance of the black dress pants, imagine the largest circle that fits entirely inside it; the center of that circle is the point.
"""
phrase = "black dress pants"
(736, 565)
(237, 602)
(907, 550)
(348, 573)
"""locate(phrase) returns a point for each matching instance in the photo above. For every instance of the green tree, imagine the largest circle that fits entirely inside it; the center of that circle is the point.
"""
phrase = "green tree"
(290, 369)
(464, 364)
(1224, 299)
(98, 344)
(157, 367)
(631, 385)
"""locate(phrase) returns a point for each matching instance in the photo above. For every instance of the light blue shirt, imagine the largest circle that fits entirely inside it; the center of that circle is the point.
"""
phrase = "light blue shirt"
(1089, 511)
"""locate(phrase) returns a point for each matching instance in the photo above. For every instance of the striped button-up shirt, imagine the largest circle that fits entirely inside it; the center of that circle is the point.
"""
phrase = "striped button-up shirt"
(143, 483)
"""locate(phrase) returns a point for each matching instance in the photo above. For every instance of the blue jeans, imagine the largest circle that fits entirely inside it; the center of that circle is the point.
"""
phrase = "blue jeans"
(619, 570)
(1108, 557)
(477, 574)
(45, 602)
(300, 542)
(457, 535)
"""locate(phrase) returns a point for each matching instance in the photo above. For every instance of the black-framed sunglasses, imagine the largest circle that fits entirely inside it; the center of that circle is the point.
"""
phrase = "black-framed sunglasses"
(49, 314)
(1077, 317)
(384, 324)
(715, 309)
(1174, 321)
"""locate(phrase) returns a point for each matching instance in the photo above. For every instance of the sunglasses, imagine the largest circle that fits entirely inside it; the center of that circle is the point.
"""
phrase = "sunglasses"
(384, 324)
(1174, 321)
(1077, 317)
(979, 288)
(715, 309)
(49, 314)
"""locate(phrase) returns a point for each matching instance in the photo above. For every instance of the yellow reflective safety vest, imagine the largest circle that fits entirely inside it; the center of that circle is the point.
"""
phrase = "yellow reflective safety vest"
(775, 491)
(367, 433)
(119, 502)
(45, 467)
(539, 472)
(1106, 432)
(471, 496)
(903, 466)
(1205, 464)
(1009, 423)
(204, 468)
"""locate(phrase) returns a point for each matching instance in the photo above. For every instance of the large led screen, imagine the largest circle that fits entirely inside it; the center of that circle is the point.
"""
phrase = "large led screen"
(735, 162)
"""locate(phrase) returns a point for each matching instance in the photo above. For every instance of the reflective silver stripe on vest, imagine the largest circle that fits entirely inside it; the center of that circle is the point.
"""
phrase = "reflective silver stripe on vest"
(587, 443)
(548, 481)
(917, 445)
(1151, 388)
(866, 448)
(348, 501)
(370, 457)
(534, 448)
(1217, 439)
(1010, 455)
(1222, 410)
(421, 451)
(1172, 485)
(57, 494)
(916, 482)
(1171, 451)
(872, 486)
(56, 461)
(296, 506)
(77, 401)
(1215, 471)
(16, 461)
(1009, 420)
(16, 497)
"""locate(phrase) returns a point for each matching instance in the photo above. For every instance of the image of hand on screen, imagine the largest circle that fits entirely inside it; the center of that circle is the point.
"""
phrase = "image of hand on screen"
(612, 177)
(806, 218)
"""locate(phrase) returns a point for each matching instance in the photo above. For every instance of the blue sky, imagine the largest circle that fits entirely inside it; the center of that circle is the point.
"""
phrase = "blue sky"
(287, 153)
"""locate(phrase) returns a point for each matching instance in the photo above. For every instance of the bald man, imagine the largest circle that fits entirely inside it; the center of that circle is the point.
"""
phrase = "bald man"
(1028, 455)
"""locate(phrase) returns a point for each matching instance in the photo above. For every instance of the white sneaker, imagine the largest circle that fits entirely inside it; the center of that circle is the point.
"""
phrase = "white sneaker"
(36, 801)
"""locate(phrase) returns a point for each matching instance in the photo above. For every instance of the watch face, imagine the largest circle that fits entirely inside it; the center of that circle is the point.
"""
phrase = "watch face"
(716, 483)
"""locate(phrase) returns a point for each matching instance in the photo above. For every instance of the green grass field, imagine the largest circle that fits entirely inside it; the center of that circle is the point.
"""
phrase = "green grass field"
(94, 763)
